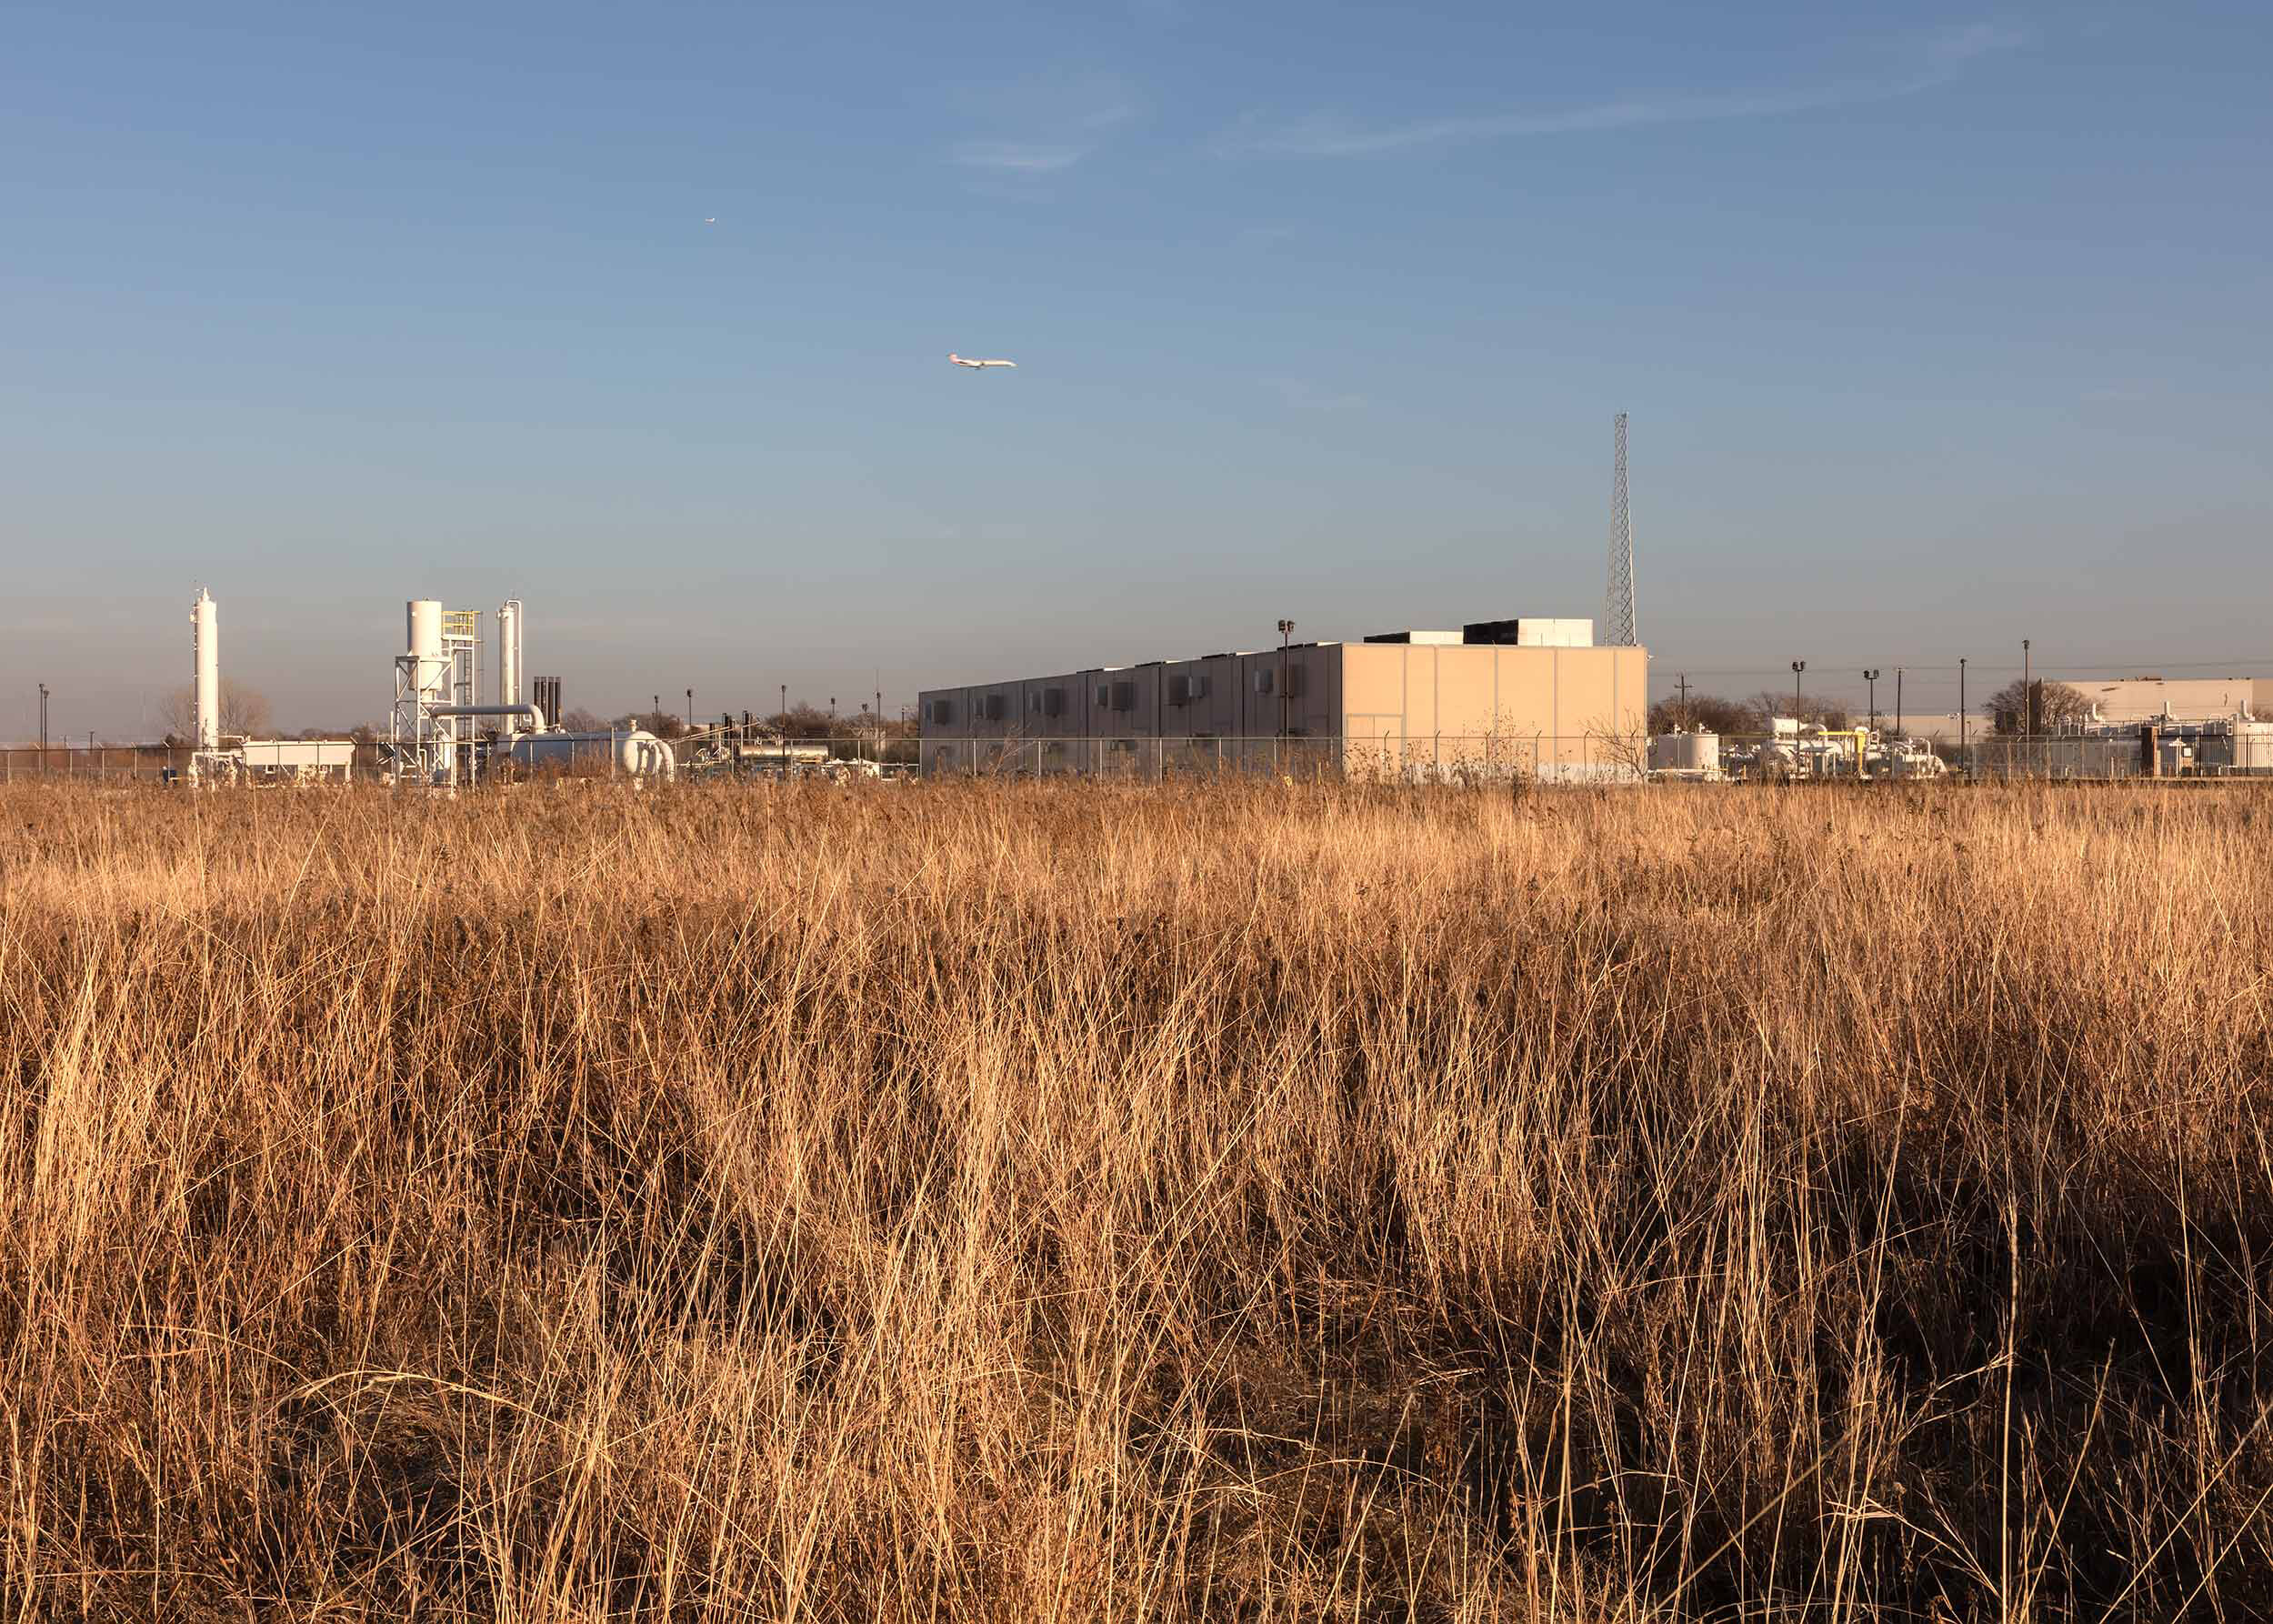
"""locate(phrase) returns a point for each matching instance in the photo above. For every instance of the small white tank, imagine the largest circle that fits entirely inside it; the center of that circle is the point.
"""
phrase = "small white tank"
(1685, 753)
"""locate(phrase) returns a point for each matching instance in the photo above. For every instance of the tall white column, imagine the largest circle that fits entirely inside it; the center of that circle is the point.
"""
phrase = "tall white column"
(205, 661)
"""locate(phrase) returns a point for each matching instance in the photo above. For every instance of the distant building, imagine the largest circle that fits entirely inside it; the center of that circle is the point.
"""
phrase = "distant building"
(2189, 699)
(1500, 698)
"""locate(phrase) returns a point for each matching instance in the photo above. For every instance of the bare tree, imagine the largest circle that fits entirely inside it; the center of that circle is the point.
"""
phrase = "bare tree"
(1713, 713)
(1772, 702)
(244, 712)
(2057, 704)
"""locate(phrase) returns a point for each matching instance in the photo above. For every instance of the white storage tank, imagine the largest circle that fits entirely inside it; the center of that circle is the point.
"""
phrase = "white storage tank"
(1695, 754)
(2251, 746)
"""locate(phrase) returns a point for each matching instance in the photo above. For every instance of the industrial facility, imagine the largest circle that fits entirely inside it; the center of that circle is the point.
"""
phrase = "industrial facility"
(1496, 698)
(437, 737)
(441, 732)
(216, 759)
(1525, 697)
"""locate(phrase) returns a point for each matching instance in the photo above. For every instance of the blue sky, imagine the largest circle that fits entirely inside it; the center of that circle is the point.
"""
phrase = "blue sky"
(1938, 328)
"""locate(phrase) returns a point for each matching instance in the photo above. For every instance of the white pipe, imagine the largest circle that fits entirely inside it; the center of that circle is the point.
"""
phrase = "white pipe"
(526, 713)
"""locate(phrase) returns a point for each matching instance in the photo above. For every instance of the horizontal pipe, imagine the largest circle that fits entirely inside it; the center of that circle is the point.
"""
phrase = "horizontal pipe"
(528, 713)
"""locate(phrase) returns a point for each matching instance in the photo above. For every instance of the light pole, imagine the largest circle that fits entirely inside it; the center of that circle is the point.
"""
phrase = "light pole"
(1963, 741)
(1871, 676)
(1797, 668)
(1897, 702)
(1286, 630)
(2028, 697)
(690, 710)
(42, 725)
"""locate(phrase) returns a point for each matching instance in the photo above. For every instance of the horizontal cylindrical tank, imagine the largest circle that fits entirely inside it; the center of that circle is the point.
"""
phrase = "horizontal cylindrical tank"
(633, 752)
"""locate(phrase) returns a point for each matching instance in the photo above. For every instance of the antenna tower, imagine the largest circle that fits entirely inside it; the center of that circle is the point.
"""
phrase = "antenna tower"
(1618, 606)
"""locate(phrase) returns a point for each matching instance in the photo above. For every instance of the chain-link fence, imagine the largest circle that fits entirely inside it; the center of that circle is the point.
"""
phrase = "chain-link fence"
(2184, 754)
(117, 764)
(1445, 757)
(263, 761)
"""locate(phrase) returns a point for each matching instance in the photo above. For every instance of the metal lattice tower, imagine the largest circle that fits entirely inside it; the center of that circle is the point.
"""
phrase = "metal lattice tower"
(1619, 605)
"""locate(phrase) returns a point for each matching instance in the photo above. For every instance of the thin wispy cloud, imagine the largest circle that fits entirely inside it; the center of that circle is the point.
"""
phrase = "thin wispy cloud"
(1934, 61)
(1018, 157)
(1042, 125)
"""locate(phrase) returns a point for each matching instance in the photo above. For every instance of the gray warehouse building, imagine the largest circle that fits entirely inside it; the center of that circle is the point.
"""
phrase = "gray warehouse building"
(1504, 698)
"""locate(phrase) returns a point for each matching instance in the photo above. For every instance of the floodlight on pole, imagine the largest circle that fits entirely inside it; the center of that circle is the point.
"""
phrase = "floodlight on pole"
(1285, 631)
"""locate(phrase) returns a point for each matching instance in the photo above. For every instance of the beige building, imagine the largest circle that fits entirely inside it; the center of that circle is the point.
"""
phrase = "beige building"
(2187, 699)
(1501, 699)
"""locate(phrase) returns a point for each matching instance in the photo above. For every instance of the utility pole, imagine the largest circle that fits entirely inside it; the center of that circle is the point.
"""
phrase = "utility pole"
(1285, 631)
(1684, 686)
(1872, 678)
(1797, 668)
(43, 726)
(1963, 741)
(1897, 702)
(2028, 696)
(784, 710)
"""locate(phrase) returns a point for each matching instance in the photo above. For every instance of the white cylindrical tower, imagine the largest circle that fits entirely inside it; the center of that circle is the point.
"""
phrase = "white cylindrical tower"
(430, 672)
(509, 656)
(430, 682)
(205, 663)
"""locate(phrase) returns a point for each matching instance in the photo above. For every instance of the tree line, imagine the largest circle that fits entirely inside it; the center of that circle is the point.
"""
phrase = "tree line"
(2057, 705)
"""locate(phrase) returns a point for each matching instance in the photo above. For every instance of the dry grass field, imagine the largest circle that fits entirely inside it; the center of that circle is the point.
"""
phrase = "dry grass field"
(999, 1201)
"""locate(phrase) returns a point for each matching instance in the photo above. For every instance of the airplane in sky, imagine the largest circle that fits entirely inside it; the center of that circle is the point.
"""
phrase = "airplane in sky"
(960, 361)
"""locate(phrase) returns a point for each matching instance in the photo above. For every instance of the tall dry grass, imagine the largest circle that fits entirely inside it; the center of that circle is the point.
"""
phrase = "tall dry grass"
(1007, 1201)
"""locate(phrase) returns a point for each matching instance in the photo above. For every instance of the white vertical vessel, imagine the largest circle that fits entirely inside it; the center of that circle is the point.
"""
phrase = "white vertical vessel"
(205, 662)
(428, 667)
(509, 659)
